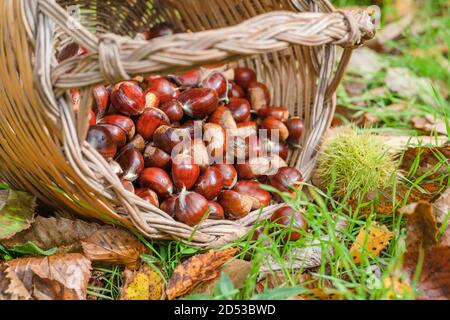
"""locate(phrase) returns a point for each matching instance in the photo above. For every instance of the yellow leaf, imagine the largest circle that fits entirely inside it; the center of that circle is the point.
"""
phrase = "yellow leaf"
(396, 288)
(144, 284)
(376, 240)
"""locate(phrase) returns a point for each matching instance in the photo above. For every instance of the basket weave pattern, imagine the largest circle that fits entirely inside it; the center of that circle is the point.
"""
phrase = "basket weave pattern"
(291, 44)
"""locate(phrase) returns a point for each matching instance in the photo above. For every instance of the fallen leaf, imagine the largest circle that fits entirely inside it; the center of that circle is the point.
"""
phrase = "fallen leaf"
(406, 84)
(54, 232)
(11, 288)
(111, 245)
(374, 242)
(199, 268)
(59, 277)
(144, 284)
(366, 63)
(16, 212)
(399, 143)
(237, 271)
(429, 124)
(425, 221)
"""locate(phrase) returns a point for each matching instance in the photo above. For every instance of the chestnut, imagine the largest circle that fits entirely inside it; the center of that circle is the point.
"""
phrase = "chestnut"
(131, 162)
(247, 128)
(195, 128)
(216, 211)
(223, 117)
(127, 185)
(187, 79)
(137, 142)
(217, 82)
(215, 138)
(92, 118)
(244, 77)
(149, 121)
(229, 175)
(184, 172)
(148, 195)
(156, 157)
(191, 208)
(160, 30)
(275, 127)
(275, 148)
(210, 183)
(279, 113)
(70, 50)
(235, 205)
(119, 136)
(151, 99)
(167, 138)
(168, 206)
(166, 89)
(240, 109)
(198, 103)
(247, 147)
(100, 138)
(101, 100)
(173, 109)
(158, 180)
(295, 128)
(197, 150)
(235, 91)
(259, 96)
(260, 166)
(123, 122)
(128, 98)
(260, 197)
(285, 179)
(115, 167)
(290, 222)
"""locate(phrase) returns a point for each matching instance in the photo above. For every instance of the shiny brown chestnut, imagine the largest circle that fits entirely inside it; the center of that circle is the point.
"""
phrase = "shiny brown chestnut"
(240, 109)
(158, 180)
(151, 99)
(216, 211)
(198, 103)
(137, 142)
(285, 179)
(210, 183)
(260, 197)
(173, 109)
(275, 127)
(121, 121)
(235, 91)
(149, 121)
(247, 128)
(166, 89)
(184, 172)
(160, 30)
(127, 185)
(275, 148)
(223, 117)
(128, 98)
(279, 113)
(235, 205)
(148, 195)
(187, 79)
(166, 137)
(92, 118)
(191, 208)
(119, 136)
(295, 128)
(102, 140)
(156, 157)
(101, 97)
(195, 128)
(131, 162)
(168, 206)
(217, 82)
(229, 175)
(244, 77)
(258, 95)
(290, 223)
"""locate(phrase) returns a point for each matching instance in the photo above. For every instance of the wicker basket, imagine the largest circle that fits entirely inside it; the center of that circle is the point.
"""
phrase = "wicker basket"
(290, 43)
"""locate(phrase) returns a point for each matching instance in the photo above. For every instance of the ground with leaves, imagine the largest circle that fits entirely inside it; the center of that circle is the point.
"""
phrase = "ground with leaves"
(392, 243)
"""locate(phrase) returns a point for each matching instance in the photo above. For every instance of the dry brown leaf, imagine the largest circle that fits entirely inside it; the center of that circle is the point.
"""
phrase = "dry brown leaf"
(374, 242)
(144, 284)
(199, 268)
(59, 277)
(17, 211)
(116, 246)
(237, 271)
(48, 233)
(424, 223)
(399, 143)
(429, 124)
(11, 288)
(406, 84)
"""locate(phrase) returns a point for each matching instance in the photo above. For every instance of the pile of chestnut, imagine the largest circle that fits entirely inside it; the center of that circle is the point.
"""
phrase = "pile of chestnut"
(198, 144)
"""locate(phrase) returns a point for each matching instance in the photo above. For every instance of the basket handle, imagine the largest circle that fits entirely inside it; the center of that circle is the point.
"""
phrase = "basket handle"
(114, 58)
